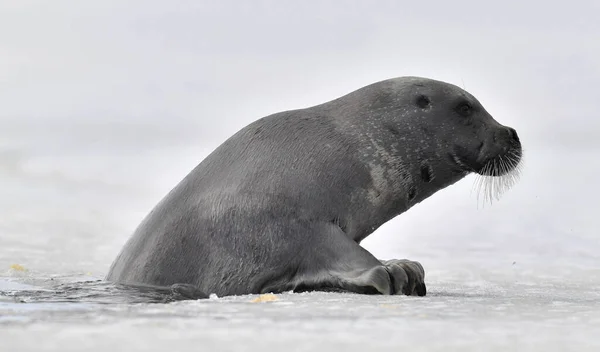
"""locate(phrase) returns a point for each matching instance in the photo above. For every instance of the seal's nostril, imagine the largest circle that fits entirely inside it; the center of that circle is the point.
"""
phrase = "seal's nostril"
(513, 134)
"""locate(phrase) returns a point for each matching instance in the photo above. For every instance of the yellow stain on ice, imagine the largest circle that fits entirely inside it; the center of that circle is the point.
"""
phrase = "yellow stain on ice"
(18, 267)
(389, 306)
(269, 297)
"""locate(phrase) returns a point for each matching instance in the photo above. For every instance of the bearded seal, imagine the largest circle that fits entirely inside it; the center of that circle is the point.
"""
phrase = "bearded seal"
(284, 203)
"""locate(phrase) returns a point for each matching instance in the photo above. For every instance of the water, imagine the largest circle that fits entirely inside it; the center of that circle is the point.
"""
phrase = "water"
(521, 274)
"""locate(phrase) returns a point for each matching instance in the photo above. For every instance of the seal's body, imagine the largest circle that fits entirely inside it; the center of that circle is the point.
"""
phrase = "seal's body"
(284, 203)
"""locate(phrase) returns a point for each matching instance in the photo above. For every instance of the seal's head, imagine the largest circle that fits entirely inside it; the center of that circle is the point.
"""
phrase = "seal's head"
(481, 144)
(472, 139)
(420, 135)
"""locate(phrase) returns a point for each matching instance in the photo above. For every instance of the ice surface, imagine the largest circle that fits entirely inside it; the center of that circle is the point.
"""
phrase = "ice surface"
(491, 316)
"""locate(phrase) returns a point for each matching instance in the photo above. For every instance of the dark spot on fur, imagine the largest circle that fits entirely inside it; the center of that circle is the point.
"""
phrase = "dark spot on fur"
(393, 129)
(423, 102)
(412, 193)
(426, 130)
(426, 173)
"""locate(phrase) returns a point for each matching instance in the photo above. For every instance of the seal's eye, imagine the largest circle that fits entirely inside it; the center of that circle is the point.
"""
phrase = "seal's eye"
(464, 109)
(423, 101)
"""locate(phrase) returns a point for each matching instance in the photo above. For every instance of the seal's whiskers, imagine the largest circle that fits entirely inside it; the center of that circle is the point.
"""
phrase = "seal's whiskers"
(497, 176)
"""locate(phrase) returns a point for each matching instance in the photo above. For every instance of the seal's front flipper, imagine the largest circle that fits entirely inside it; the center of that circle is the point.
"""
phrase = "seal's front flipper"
(337, 263)
(375, 280)
(414, 271)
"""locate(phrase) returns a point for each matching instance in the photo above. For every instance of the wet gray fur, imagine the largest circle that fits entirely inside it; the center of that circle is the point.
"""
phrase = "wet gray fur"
(284, 203)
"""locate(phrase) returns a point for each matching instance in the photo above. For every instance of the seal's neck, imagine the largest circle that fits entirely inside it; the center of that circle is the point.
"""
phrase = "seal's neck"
(402, 175)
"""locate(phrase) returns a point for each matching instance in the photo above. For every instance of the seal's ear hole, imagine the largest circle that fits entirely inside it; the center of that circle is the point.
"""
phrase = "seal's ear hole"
(423, 101)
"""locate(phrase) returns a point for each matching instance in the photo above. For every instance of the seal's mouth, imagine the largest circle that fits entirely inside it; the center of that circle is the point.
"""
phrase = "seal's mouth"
(498, 168)
(499, 156)
(498, 165)
(502, 164)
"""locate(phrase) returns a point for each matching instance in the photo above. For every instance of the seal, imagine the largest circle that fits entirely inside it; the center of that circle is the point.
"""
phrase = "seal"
(284, 203)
